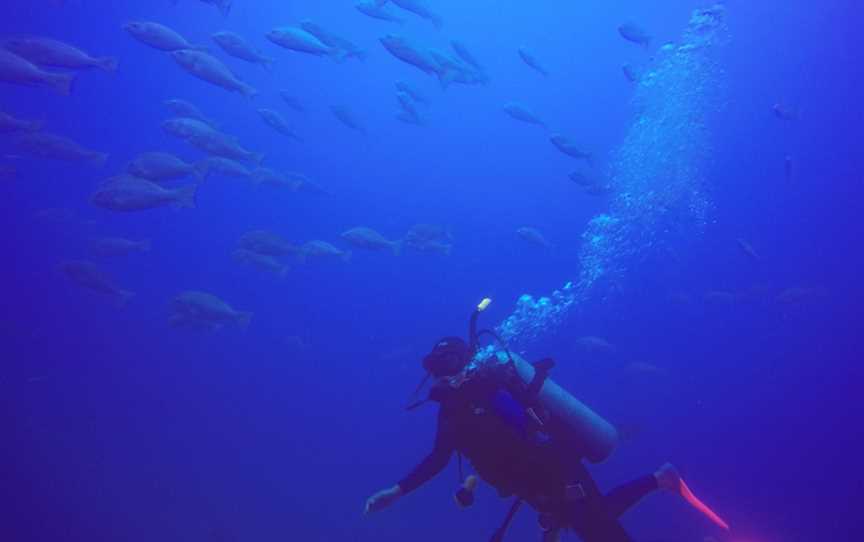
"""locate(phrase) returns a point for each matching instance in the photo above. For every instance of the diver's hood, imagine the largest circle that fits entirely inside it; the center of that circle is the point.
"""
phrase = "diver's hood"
(447, 358)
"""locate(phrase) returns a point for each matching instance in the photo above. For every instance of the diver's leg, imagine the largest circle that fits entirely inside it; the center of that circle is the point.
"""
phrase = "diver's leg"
(552, 535)
(601, 528)
(623, 497)
(591, 520)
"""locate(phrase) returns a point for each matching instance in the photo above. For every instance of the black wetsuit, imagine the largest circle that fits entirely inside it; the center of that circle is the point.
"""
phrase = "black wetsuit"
(554, 482)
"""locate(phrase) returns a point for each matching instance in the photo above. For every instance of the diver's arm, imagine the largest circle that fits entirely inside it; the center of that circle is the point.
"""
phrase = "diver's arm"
(422, 473)
(435, 461)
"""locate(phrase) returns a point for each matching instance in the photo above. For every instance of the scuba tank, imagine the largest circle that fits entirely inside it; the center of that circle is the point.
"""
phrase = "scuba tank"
(593, 437)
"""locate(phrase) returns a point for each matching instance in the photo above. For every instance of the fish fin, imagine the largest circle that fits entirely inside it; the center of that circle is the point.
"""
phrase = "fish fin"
(145, 245)
(202, 170)
(186, 196)
(256, 177)
(243, 319)
(248, 91)
(339, 55)
(63, 83)
(109, 64)
(267, 63)
(446, 77)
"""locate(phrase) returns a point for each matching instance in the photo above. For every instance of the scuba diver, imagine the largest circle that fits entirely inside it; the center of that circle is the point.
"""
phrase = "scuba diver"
(526, 437)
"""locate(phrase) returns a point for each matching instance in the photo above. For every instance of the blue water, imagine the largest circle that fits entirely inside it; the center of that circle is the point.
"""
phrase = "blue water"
(117, 425)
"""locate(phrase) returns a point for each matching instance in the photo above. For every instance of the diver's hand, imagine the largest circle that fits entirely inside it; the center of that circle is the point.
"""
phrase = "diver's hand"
(382, 499)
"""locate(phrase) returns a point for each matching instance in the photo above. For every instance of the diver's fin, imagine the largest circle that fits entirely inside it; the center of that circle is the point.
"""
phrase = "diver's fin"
(699, 505)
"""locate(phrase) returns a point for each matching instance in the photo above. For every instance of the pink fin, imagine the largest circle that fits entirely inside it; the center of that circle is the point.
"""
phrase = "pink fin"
(702, 507)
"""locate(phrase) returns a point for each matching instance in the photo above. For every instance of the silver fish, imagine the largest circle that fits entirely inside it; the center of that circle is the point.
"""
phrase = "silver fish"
(56, 54)
(11, 125)
(158, 36)
(182, 108)
(54, 147)
(209, 68)
(127, 193)
(202, 308)
(162, 166)
(20, 71)
(529, 59)
(369, 239)
(89, 276)
(274, 120)
(234, 45)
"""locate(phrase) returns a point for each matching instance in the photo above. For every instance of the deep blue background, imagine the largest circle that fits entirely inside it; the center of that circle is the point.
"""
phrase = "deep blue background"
(116, 426)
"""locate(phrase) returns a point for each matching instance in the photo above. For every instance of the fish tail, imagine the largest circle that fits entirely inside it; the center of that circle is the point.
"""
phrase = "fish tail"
(109, 64)
(437, 22)
(445, 77)
(186, 196)
(257, 177)
(201, 170)
(339, 55)
(283, 272)
(397, 248)
(346, 256)
(225, 8)
(590, 159)
(61, 82)
(35, 125)
(248, 91)
(243, 319)
(145, 245)
(258, 158)
(448, 249)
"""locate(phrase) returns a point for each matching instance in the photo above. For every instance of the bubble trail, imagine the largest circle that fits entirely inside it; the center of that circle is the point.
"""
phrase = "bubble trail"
(658, 177)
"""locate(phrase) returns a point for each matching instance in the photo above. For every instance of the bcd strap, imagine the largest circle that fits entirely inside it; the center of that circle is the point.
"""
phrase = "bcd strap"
(498, 536)
(541, 373)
